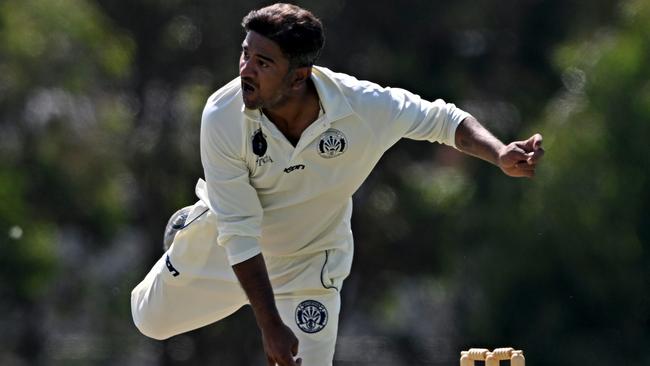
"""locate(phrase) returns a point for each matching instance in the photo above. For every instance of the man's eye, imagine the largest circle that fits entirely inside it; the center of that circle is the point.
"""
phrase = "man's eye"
(264, 64)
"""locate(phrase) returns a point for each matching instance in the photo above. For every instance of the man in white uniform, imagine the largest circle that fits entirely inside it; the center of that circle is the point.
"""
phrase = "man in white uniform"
(284, 146)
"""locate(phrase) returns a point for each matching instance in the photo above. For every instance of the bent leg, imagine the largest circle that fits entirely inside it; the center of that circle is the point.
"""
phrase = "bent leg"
(162, 308)
(191, 285)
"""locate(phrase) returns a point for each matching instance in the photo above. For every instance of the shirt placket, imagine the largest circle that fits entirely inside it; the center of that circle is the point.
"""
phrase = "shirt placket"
(311, 132)
(287, 148)
(315, 129)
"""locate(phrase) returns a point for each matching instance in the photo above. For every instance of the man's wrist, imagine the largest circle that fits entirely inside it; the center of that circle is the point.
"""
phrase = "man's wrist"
(501, 151)
(271, 319)
(254, 280)
(473, 139)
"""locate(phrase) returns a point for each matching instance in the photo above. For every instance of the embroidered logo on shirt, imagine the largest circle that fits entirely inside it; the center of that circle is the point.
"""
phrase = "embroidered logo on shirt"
(259, 148)
(261, 160)
(311, 316)
(259, 143)
(332, 144)
(294, 167)
(170, 267)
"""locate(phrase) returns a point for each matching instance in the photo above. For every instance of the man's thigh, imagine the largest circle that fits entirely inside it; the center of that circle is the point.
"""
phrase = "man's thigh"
(162, 308)
(191, 285)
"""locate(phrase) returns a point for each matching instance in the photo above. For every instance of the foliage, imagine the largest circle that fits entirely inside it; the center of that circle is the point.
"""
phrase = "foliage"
(573, 269)
(61, 122)
(100, 105)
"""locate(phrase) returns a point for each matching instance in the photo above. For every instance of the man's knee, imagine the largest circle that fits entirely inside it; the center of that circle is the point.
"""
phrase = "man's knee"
(152, 329)
(148, 320)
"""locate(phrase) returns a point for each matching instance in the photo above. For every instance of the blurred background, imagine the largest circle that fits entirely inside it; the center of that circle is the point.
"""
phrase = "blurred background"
(100, 105)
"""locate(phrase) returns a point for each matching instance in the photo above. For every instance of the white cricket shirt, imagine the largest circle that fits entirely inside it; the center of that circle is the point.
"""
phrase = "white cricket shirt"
(272, 197)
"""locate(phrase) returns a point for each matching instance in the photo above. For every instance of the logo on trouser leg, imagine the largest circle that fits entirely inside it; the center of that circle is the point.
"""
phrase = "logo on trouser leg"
(311, 316)
(171, 268)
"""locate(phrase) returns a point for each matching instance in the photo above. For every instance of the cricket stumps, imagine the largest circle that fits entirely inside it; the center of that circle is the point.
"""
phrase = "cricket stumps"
(492, 358)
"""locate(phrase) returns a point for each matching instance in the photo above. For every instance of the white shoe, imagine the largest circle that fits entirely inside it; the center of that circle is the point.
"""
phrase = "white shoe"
(175, 223)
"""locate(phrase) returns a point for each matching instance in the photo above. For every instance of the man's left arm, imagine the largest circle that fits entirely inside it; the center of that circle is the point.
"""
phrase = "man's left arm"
(516, 159)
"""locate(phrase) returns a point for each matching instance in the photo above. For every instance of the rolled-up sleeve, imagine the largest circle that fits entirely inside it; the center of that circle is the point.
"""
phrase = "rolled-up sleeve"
(403, 114)
(431, 121)
(230, 194)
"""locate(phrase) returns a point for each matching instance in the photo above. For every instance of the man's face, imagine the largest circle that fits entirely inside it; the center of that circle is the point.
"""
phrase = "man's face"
(264, 72)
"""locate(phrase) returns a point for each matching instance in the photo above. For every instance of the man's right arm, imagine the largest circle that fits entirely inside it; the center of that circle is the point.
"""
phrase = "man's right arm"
(280, 344)
(239, 215)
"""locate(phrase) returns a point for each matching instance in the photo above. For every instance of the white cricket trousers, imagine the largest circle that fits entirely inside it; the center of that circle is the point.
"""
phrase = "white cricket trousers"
(193, 285)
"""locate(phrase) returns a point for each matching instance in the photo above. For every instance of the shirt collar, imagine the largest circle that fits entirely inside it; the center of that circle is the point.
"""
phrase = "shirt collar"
(332, 99)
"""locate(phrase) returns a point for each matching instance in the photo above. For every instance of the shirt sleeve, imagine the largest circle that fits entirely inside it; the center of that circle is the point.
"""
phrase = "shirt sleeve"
(402, 114)
(423, 120)
(230, 194)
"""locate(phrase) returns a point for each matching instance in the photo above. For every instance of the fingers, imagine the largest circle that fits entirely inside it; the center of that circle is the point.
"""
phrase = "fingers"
(514, 153)
(533, 143)
(280, 346)
(520, 158)
(285, 361)
(535, 156)
(536, 141)
(525, 166)
(530, 150)
(523, 169)
(291, 362)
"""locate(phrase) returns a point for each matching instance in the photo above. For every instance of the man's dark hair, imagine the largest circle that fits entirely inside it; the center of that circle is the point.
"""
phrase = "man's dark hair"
(296, 30)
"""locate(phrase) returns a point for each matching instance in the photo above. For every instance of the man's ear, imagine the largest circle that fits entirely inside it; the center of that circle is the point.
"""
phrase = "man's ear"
(300, 75)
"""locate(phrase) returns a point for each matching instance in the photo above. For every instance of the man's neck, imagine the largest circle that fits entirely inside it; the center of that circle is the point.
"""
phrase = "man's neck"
(296, 113)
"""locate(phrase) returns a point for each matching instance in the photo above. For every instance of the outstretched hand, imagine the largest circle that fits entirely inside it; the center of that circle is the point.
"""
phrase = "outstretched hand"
(520, 158)
(280, 346)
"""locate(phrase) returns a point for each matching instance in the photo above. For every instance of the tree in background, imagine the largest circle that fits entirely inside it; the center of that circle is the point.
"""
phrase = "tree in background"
(100, 107)
(568, 274)
(61, 126)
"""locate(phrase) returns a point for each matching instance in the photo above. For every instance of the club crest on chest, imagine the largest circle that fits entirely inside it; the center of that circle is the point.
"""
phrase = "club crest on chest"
(332, 143)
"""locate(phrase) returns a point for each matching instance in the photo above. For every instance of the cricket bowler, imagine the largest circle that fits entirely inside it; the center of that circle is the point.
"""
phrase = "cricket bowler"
(283, 147)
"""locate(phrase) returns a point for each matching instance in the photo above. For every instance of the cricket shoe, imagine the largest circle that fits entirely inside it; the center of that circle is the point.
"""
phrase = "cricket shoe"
(175, 224)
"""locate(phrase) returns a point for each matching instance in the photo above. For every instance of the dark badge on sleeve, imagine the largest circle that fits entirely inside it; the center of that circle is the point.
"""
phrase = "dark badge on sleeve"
(259, 143)
(311, 316)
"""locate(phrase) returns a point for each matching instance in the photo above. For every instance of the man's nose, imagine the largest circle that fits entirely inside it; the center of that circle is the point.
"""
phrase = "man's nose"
(246, 68)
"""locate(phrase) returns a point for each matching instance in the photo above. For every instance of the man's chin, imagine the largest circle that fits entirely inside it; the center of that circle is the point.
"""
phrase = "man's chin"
(251, 104)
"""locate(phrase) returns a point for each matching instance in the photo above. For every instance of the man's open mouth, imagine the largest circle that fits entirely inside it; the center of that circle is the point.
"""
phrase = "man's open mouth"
(247, 87)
